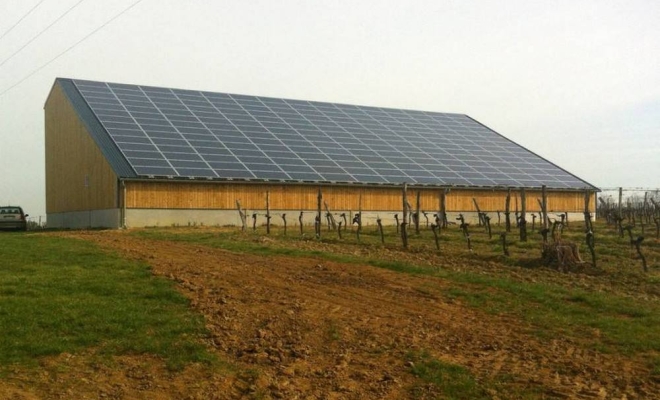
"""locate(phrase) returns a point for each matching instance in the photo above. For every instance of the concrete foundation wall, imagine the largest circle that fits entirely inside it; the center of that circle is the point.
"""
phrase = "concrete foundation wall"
(176, 217)
(85, 219)
(137, 218)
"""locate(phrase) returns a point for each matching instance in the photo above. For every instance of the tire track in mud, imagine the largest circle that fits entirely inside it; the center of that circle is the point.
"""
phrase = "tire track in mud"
(320, 329)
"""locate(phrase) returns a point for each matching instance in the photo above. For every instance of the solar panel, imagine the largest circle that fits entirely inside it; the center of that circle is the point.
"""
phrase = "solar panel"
(183, 133)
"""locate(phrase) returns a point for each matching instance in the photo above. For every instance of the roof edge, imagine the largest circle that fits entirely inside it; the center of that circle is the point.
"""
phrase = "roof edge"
(592, 187)
(99, 134)
(348, 184)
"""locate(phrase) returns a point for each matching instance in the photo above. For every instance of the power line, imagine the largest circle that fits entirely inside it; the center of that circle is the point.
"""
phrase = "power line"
(41, 33)
(70, 47)
(629, 189)
(21, 19)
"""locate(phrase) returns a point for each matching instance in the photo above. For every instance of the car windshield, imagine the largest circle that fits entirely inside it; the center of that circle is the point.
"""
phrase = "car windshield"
(10, 210)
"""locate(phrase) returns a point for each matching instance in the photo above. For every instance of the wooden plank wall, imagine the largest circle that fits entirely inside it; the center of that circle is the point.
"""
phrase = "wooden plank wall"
(190, 195)
(78, 177)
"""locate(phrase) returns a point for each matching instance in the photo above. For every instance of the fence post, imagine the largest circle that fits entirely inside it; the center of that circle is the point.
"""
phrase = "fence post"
(507, 210)
(268, 212)
(417, 207)
(319, 198)
(404, 234)
(620, 212)
(544, 206)
(241, 214)
(523, 216)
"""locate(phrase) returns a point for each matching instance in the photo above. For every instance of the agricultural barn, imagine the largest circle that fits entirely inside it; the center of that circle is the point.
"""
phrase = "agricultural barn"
(122, 155)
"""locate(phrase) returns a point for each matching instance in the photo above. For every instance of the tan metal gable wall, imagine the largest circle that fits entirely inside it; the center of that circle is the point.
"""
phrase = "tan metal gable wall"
(78, 177)
(223, 196)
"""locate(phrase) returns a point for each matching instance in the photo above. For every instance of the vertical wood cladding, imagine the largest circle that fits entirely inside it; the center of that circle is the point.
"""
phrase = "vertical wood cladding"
(78, 177)
(193, 195)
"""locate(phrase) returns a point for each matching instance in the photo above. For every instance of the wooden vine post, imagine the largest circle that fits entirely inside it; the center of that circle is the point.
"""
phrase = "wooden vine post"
(319, 199)
(411, 214)
(443, 207)
(380, 229)
(643, 215)
(656, 218)
(254, 221)
(339, 229)
(404, 234)
(284, 220)
(517, 215)
(300, 221)
(487, 220)
(317, 227)
(396, 218)
(505, 249)
(466, 233)
(544, 206)
(479, 215)
(620, 217)
(523, 215)
(588, 227)
(417, 209)
(462, 219)
(435, 228)
(620, 213)
(587, 214)
(590, 245)
(242, 215)
(268, 212)
(358, 216)
(507, 210)
(356, 221)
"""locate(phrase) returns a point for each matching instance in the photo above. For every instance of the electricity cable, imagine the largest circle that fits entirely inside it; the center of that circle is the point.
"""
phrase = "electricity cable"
(41, 33)
(21, 19)
(71, 47)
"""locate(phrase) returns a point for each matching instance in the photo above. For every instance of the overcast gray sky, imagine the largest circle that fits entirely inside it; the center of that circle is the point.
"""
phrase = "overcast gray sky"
(577, 82)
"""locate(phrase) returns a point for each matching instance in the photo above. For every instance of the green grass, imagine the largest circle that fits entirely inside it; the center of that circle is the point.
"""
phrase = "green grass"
(625, 325)
(63, 295)
(454, 382)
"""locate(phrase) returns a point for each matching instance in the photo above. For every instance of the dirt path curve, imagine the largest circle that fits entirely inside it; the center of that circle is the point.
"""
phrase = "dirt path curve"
(323, 330)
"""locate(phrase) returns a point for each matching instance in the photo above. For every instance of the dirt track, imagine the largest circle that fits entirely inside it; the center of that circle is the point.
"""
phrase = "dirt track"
(312, 329)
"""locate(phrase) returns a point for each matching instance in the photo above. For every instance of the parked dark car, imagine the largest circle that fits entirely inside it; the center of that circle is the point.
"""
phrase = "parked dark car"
(13, 217)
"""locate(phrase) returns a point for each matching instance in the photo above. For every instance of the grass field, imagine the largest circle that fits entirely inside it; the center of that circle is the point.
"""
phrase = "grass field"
(62, 295)
(609, 308)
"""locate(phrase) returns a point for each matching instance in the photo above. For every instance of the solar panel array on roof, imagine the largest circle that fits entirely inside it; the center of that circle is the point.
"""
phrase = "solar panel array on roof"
(184, 133)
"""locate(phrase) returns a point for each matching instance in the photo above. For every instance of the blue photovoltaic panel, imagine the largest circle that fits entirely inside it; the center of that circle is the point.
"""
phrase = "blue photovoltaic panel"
(184, 133)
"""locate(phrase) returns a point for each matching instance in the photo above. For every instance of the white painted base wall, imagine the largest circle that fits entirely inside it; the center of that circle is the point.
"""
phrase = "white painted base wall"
(176, 217)
(137, 218)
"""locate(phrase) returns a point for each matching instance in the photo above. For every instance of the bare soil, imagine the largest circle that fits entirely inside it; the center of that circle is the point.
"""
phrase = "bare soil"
(304, 328)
